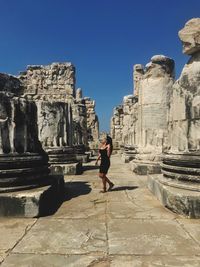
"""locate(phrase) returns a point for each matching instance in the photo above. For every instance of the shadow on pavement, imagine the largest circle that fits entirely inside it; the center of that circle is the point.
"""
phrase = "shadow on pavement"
(90, 167)
(75, 189)
(121, 188)
(51, 201)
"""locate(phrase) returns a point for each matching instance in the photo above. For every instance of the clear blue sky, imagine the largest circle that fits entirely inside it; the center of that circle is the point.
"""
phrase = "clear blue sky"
(102, 38)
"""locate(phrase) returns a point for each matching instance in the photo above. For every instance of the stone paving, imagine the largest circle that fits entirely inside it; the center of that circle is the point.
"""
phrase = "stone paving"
(124, 227)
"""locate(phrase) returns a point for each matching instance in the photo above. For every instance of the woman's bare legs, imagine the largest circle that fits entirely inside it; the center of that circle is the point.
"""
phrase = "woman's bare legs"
(104, 181)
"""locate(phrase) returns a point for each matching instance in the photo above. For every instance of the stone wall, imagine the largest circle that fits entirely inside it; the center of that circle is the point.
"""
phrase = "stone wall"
(55, 81)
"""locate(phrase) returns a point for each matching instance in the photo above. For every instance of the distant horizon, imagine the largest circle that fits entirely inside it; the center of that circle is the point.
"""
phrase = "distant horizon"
(103, 40)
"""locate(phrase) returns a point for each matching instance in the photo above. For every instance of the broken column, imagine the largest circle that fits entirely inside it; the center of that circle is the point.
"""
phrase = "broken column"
(138, 72)
(179, 186)
(116, 127)
(24, 168)
(80, 135)
(129, 130)
(153, 102)
(92, 123)
(52, 87)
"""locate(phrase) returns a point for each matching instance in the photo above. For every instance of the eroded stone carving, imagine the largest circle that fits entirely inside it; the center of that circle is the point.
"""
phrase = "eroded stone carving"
(92, 123)
(23, 163)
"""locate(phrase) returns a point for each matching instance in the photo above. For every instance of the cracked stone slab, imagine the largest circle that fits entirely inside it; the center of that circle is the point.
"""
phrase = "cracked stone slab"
(192, 227)
(82, 207)
(3, 254)
(32, 260)
(65, 237)
(125, 210)
(12, 230)
(149, 237)
(152, 261)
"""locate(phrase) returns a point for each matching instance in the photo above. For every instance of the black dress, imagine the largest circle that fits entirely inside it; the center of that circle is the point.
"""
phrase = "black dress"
(105, 161)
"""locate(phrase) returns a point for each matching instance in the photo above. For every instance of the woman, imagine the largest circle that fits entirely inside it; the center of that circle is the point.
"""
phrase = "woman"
(104, 155)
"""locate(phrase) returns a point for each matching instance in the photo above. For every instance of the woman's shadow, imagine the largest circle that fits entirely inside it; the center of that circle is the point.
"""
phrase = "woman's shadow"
(122, 188)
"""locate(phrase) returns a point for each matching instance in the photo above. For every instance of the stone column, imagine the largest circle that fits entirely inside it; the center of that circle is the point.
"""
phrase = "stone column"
(23, 163)
(25, 184)
(138, 72)
(116, 127)
(92, 123)
(154, 91)
(80, 136)
(129, 129)
(179, 186)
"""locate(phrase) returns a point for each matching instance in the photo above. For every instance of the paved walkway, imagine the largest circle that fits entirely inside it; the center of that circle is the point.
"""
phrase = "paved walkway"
(125, 227)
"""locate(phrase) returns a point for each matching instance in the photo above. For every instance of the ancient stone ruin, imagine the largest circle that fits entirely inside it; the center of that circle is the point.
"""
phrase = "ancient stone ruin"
(62, 122)
(158, 126)
(43, 133)
(23, 162)
(92, 123)
(144, 125)
(179, 186)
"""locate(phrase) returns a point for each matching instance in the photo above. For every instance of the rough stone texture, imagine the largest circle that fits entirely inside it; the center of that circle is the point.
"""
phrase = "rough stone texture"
(33, 202)
(190, 36)
(53, 89)
(140, 124)
(180, 200)
(138, 72)
(23, 162)
(124, 227)
(55, 81)
(92, 123)
(117, 126)
(181, 164)
(80, 128)
(153, 101)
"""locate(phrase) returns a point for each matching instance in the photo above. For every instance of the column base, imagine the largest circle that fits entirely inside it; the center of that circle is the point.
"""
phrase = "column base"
(35, 202)
(66, 169)
(179, 200)
(145, 167)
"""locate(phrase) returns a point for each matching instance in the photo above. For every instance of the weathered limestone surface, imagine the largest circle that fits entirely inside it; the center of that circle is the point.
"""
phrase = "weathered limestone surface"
(181, 163)
(130, 127)
(117, 126)
(138, 72)
(53, 89)
(142, 131)
(23, 162)
(92, 123)
(125, 227)
(190, 36)
(55, 81)
(154, 92)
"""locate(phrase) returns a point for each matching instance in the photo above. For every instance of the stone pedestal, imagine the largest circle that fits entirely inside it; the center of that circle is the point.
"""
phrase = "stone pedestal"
(80, 153)
(64, 161)
(129, 153)
(35, 202)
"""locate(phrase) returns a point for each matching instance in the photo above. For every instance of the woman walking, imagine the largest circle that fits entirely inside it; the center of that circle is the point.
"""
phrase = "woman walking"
(104, 155)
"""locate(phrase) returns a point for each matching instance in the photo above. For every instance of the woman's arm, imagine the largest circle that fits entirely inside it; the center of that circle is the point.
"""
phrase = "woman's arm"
(99, 156)
(108, 150)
